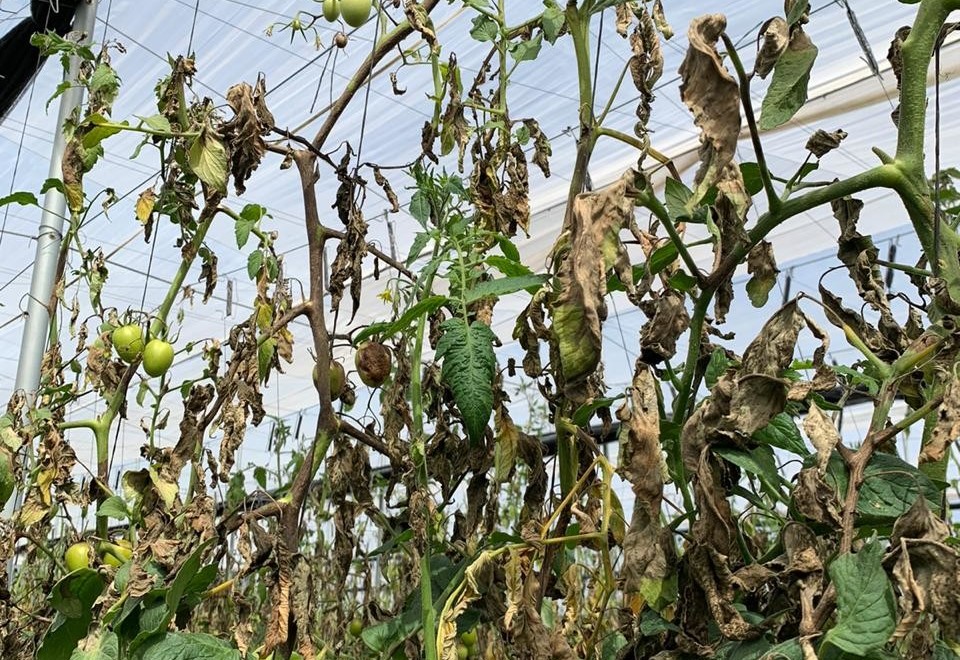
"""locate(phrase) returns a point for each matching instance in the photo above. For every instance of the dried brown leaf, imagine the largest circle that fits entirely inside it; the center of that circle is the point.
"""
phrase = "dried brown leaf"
(948, 424)
(821, 142)
(646, 561)
(244, 133)
(823, 435)
(667, 321)
(713, 96)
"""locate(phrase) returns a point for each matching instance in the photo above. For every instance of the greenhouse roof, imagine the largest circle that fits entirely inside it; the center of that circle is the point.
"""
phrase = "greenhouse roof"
(231, 45)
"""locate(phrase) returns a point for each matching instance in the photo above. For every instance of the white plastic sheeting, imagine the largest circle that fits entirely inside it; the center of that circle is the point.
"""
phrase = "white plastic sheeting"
(229, 39)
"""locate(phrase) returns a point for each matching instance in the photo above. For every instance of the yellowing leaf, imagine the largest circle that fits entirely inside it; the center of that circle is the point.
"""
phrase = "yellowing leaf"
(145, 204)
(208, 160)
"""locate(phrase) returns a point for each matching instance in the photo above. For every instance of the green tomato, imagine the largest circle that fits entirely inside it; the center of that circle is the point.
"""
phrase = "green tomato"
(128, 340)
(355, 12)
(356, 627)
(157, 357)
(77, 556)
(469, 638)
(338, 378)
(462, 652)
(331, 10)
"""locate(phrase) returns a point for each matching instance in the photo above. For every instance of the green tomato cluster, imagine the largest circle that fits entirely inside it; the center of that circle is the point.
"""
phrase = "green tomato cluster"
(157, 354)
(354, 12)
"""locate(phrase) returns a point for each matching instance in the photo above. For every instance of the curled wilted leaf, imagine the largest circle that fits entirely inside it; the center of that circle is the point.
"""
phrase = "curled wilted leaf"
(713, 96)
(895, 57)
(252, 120)
(776, 35)
(822, 142)
(762, 265)
(583, 256)
(667, 321)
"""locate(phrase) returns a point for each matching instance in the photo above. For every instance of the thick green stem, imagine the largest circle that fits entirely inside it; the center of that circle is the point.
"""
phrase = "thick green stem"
(916, 52)
(882, 176)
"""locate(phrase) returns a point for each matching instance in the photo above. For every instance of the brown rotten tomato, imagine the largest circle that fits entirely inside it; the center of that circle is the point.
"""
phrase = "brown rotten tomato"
(373, 362)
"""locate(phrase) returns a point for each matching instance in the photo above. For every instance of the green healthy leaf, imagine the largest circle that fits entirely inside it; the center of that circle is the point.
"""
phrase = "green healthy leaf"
(782, 432)
(113, 507)
(102, 129)
(387, 330)
(676, 198)
(504, 286)
(719, 363)
(662, 257)
(789, 650)
(583, 414)
(53, 183)
(419, 207)
(890, 487)
(552, 21)
(612, 645)
(798, 9)
(469, 365)
(508, 266)
(681, 281)
(265, 356)
(866, 612)
(419, 242)
(614, 283)
(759, 461)
(509, 250)
(751, 178)
(254, 262)
(187, 646)
(208, 160)
(248, 219)
(22, 198)
(484, 28)
(106, 647)
(260, 476)
(73, 598)
(158, 614)
(788, 88)
(523, 51)
(157, 123)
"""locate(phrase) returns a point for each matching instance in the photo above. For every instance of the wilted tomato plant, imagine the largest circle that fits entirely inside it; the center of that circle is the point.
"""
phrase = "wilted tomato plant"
(476, 541)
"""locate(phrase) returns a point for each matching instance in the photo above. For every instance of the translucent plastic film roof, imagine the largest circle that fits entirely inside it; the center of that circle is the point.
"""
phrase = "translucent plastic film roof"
(231, 44)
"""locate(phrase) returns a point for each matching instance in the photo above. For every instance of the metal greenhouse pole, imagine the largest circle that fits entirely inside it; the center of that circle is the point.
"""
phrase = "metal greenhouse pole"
(50, 234)
(49, 238)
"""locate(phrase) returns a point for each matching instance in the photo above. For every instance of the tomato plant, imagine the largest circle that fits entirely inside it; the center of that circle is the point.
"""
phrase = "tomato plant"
(427, 518)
